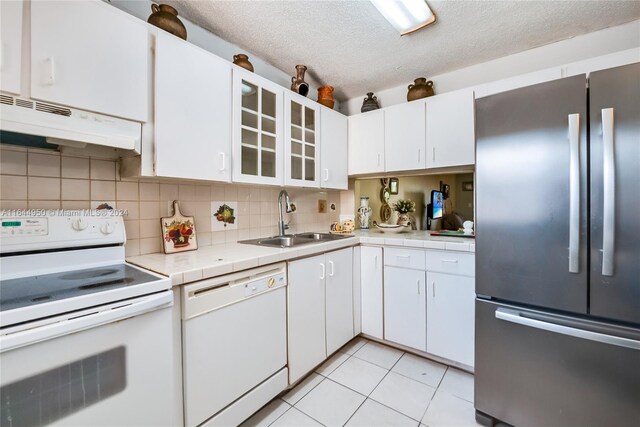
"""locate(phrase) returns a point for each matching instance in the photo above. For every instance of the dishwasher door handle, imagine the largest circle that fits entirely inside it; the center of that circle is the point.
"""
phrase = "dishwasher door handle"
(514, 316)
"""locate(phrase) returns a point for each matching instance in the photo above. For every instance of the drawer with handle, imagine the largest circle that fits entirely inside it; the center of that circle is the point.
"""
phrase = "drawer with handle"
(408, 258)
(451, 262)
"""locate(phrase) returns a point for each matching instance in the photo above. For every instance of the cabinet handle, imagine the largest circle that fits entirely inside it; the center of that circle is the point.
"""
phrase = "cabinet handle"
(50, 77)
(418, 156)
(454, 261)
(378, 159)
(433, 289)
(418, 283)
(403, 256)
(332, 268)
(574, 193)
(326, 174)
(434, 153)
(609, 193)
(223, 161)
(3, 49)
(375, 261)
(322, 271)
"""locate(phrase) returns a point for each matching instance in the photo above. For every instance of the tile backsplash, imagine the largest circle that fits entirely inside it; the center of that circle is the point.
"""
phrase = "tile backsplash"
(43, 179)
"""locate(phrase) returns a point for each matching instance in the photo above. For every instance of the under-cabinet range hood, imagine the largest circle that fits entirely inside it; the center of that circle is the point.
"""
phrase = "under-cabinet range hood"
(69, 127)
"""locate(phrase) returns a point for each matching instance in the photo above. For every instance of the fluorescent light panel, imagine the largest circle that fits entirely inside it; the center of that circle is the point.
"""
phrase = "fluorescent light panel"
(406, 16)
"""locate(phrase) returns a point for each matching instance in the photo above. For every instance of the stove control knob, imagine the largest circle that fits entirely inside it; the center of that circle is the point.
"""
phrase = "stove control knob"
(107, 228)
(79, 224)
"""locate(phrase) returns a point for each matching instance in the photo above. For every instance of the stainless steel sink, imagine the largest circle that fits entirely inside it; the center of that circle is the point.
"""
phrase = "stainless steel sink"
(293, 240)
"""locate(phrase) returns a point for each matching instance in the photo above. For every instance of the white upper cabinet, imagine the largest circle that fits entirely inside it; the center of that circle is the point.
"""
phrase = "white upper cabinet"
(302, 154)
(10, 45)
(192, 112)
(90, 55)
(366, 143)
(404, 137)
(257, 129)
(450, 129)
(334, 131)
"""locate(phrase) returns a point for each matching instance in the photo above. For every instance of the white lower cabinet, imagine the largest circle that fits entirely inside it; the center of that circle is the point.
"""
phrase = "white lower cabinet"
(405, 307)
(320, 309)
(450, 316)
(428, 304)
(339, 298)
(371, 291)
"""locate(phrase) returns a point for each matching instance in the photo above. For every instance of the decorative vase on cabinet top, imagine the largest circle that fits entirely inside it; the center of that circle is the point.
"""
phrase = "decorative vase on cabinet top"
(166, 18)
(242, 60)
(298, 85)
(420, 88)
(364, 213)
(370, 103)
(325, 96)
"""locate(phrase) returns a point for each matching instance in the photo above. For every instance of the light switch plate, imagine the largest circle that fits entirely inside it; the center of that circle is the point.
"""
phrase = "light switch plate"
(322, 206)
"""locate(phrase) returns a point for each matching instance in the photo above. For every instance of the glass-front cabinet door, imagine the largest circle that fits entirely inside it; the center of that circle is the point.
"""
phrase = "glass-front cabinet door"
(302, 163)
(257, 129)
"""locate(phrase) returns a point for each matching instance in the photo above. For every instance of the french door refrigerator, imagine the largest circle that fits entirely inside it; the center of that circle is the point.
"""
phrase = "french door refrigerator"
(557, 252)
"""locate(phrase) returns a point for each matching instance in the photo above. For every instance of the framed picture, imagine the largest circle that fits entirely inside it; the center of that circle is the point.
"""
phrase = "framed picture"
(467, 186)
(393, 185)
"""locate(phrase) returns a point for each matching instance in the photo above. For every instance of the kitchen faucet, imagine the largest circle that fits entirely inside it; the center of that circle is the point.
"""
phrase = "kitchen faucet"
(289, 208)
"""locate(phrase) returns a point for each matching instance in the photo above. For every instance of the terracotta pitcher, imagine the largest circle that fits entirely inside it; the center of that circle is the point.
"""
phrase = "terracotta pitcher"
(242, 60)
(166, 17)
(420, 88)
(325, 96)
(298, 85)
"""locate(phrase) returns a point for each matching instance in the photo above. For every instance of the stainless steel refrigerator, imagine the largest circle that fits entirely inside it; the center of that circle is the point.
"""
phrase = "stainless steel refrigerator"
(557, 252)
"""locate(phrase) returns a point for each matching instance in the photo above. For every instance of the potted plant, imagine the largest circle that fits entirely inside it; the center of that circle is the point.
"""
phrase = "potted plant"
(404, 207)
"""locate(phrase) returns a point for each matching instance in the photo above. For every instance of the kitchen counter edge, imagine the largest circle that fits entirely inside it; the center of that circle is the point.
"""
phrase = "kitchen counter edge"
(212, 261)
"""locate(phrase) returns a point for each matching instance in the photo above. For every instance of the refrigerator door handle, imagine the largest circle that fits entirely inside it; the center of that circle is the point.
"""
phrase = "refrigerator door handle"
(609, 193)
(514, 316)
(574, 193)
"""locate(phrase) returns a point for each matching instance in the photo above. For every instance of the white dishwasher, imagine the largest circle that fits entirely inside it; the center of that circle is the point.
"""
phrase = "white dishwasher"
(234, 331)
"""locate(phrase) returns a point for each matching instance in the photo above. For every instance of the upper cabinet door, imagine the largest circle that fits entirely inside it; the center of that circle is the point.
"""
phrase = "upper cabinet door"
(334, 149)
(257, 129)
(450, 129)
(404, 137)
(192, 112)
(89, 55)
(366, 143)
(302, 155)
(10, 45)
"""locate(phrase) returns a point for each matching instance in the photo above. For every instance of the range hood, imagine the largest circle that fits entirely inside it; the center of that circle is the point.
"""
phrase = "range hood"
(68, 127)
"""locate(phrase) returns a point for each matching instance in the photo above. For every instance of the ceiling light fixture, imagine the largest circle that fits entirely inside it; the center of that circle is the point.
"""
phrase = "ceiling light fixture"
(406, 16)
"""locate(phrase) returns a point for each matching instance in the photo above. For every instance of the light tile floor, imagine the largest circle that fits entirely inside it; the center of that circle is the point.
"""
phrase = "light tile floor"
(371, 385)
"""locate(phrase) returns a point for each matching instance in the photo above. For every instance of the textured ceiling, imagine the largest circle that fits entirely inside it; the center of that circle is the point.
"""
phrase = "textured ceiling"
(349, 45)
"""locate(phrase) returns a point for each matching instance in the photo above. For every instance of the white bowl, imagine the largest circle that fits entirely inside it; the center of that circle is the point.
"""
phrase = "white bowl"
(392, 228)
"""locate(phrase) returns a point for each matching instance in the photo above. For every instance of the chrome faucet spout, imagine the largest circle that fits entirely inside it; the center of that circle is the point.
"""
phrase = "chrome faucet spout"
(281, 225)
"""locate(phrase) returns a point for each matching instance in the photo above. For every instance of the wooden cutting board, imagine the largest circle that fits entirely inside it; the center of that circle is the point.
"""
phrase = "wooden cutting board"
(178, 232)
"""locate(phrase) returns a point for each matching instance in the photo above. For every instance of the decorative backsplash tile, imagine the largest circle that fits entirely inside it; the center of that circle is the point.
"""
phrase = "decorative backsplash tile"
(35, 178)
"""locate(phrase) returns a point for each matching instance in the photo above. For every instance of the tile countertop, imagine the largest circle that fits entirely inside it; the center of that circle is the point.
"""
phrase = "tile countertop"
(212, 261)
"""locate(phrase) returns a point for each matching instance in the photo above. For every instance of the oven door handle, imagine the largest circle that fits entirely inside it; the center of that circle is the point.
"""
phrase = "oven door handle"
(85, 319)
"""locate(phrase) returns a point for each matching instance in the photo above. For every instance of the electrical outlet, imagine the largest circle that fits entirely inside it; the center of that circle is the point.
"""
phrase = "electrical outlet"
(322, 206)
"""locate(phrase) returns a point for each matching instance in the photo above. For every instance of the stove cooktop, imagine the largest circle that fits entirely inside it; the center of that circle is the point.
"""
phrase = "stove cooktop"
(34, 290)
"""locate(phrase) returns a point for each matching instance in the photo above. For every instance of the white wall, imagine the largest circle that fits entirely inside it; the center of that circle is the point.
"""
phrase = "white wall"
(599, 43)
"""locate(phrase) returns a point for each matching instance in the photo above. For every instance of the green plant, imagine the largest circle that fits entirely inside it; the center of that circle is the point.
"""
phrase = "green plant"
(404, 206)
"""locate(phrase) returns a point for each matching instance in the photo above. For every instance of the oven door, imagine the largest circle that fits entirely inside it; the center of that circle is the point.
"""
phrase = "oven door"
(106, 366)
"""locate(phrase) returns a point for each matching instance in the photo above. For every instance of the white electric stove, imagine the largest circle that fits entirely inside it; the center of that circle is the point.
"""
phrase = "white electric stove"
(85, 338)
